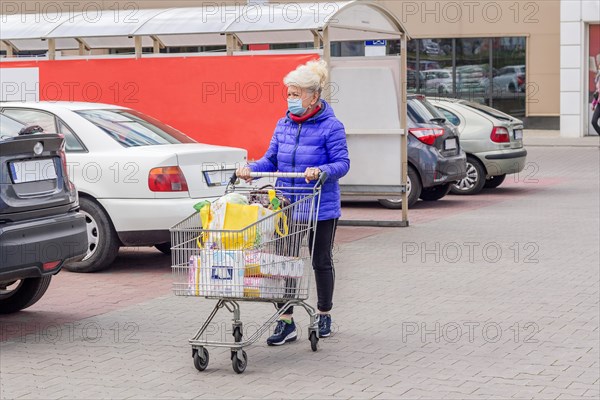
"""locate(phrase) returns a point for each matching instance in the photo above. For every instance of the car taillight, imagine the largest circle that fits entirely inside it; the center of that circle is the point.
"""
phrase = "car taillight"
(500, 135)
(50, 265)
(65, 171)
(520, 79)
(427, 135)
(167, 179)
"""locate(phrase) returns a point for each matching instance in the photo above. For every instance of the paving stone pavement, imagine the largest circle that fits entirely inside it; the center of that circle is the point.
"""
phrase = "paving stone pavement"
(497, 301)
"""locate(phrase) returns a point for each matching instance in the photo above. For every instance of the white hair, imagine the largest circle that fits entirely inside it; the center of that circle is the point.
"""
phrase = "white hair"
(310, 76)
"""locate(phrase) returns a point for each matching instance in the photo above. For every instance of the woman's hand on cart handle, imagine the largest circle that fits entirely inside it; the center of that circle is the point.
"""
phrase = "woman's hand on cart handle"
(242, 173)
(312, 174)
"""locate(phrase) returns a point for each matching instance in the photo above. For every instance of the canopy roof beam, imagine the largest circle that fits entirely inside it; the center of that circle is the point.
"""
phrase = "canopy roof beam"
(10, 48)
(83, 46)
(157, 44)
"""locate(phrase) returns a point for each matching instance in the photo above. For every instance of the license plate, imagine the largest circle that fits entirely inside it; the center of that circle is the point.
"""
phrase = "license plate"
(32, 171)
(450, 144)
(518, 134)
(219, 177)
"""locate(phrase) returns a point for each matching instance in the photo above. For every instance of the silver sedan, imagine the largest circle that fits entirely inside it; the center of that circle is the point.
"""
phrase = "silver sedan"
(492, 140)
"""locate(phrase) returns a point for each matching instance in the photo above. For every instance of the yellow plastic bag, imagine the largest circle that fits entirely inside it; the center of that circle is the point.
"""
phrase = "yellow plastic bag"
(238, 217)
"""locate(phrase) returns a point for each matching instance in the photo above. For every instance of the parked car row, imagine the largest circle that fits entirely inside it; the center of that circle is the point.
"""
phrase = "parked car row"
(458, 146)
(130, 178)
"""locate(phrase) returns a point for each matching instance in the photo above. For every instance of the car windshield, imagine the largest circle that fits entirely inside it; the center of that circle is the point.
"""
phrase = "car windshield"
(9, 127)
(132, 129)
(488, 111)
(421, 111)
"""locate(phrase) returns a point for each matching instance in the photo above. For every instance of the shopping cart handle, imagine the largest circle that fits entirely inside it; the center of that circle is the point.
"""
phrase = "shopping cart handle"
(296, 175)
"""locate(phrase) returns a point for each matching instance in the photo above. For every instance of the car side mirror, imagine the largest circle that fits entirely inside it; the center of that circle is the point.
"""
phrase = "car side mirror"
(30, 130)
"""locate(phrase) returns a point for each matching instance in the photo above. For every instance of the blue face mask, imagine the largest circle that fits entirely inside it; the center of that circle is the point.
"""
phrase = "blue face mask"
(295, 106)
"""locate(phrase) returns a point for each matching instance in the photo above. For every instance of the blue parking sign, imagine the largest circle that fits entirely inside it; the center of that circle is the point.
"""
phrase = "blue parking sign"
(375, 42)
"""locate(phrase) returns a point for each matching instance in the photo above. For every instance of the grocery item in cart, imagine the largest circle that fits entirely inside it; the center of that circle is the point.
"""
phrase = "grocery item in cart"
(230, 213)
(264, 288)
(261, 264)
(217, 273)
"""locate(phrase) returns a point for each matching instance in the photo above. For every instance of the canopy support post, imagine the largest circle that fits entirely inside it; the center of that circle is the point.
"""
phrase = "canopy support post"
(317, 39)
(403, 137)
(51, 49)
(138, 46)
(233, 43)
(327, 58)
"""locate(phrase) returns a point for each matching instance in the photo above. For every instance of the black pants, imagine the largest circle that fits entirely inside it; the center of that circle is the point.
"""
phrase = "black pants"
(322, 263)
(595, 118)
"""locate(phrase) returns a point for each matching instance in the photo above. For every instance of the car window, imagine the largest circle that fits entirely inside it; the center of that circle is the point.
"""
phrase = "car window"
(453, 118)
(131, 128)
(421, 111)
(71, 141)
(9, 127)
(33, 117)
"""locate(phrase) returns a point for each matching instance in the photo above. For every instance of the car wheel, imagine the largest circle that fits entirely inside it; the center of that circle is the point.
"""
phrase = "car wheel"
(165, 248)
(103, 242)
(435, 193)
(474, 181)
(23, 293)
(494, 181)
(413, 187)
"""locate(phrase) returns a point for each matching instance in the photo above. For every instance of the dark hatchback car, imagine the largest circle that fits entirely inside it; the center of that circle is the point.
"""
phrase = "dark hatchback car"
(40, 226)
(435, 158)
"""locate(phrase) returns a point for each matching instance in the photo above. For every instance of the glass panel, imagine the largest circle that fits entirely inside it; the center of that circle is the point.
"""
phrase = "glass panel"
(508, 82)
(71, 141)
(348, 49)
(451, 117)
(9, 127)
(131, 128)
(414, 80)
(33, 117)
(472, 68)
(421, 111)
(435, 65)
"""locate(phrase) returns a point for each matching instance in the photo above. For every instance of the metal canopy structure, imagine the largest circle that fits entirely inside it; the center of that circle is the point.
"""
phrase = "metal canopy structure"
(199, 26)
(229, 26)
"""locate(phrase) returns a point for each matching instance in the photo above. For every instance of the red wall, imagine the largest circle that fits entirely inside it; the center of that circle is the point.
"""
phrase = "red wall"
(232, 100)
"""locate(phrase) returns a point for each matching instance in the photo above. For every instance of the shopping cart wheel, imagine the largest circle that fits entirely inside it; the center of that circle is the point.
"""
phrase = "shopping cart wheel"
(201, 359)
(314, 341)
(239, 365)
(237, 334)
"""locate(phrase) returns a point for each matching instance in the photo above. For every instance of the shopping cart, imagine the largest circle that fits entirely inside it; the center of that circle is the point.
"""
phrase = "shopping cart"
(266, 261)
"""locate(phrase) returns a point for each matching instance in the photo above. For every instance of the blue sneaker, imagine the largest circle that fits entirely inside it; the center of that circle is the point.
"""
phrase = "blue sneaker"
(324, 325)
(283, 333)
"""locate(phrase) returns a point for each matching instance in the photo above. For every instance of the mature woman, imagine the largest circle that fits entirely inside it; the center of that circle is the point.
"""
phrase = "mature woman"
(312, 140)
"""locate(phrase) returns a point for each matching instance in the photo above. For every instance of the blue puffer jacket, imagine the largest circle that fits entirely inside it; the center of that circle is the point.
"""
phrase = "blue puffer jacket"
(318, 142)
